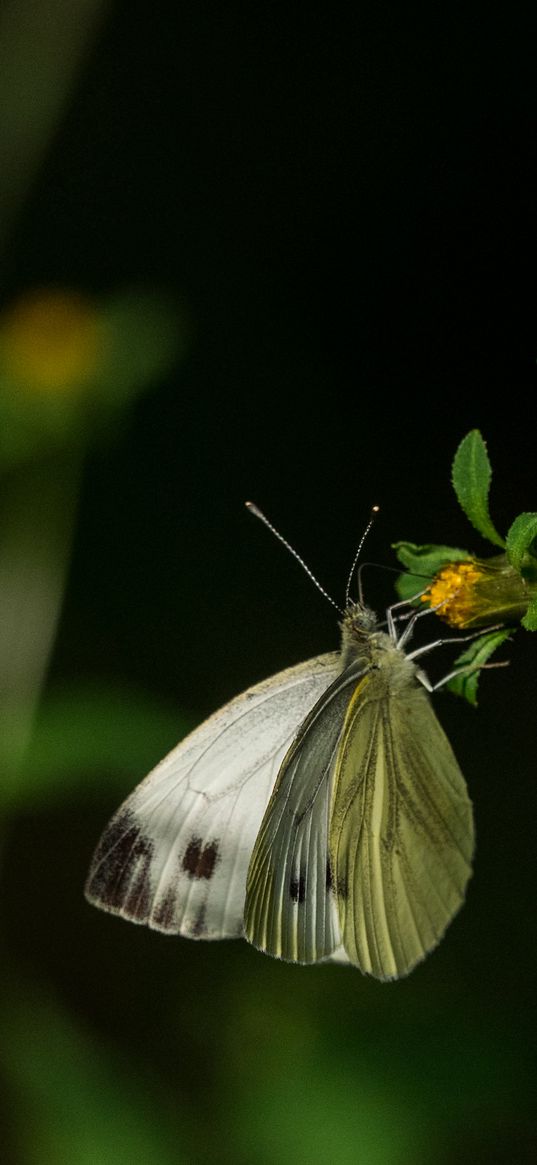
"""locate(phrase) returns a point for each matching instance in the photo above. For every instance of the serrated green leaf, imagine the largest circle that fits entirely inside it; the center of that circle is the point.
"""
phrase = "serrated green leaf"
(530, 618)
(471, 476)
(429, 558)
(521, 537)
(471, 661)
(422, 563)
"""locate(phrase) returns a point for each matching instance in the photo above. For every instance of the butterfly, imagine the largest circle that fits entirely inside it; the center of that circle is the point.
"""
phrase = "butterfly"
(321, 815)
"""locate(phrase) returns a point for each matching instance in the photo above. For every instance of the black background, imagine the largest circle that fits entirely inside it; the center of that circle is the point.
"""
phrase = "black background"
(345, 202)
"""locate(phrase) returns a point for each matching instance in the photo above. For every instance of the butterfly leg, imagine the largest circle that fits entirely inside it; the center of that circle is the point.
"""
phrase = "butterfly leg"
(461, 671)
(449, 639)
(412, 619)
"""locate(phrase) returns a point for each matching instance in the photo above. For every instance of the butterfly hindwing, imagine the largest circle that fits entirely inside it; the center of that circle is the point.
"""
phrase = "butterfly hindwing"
(175, 855)
(401, 837)
(290, 905)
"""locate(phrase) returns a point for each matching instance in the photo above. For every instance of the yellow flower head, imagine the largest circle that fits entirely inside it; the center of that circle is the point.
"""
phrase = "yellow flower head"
(475, 593)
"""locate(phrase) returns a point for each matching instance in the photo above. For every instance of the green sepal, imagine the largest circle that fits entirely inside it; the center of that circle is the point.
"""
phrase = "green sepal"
(521, 541)
(471, 661)
(422, 563)
(471, 475)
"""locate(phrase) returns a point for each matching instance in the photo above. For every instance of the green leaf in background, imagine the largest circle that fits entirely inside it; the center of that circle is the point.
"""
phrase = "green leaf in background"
(143, 333)
(71, 1103)
(472, 661)
(471, 476)
(90, 742)
(290, 1124)
(422, 563)
(521, 541)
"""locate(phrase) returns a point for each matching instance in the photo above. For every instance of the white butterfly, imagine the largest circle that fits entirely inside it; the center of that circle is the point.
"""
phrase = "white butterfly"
(321, 814)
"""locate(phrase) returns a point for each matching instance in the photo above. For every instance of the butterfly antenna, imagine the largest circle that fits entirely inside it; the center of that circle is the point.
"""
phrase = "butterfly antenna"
(259, 514)
(374, 512)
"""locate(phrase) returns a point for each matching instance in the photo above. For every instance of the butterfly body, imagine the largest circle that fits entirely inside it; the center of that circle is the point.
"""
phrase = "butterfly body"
(322, 814)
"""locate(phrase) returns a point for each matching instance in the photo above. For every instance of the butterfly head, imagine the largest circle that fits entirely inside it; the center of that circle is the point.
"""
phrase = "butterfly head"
(357, 626)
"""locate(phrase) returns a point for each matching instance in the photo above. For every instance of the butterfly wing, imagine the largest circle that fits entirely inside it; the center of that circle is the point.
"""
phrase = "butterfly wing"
(401, 836)
(175, 855)
(290, 910)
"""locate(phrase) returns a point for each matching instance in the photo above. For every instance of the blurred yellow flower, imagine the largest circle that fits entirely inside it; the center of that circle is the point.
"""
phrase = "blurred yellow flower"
(70, 363)
(50, 341)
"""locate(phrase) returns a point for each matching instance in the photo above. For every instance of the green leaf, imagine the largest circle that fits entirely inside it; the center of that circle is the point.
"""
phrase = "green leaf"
(521, 538)
(427, 559)
(409, 587)
(471, 476)
(470, 663)
(529, 620)
(423, 562)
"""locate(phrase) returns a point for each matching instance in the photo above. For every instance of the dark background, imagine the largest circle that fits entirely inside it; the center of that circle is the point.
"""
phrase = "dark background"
(345, 201)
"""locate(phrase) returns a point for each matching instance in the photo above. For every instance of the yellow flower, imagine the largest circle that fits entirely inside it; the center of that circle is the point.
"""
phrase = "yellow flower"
(475, 593)
(50, 341)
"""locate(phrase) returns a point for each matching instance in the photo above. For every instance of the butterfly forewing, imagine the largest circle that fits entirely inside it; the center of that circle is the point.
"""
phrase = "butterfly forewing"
(401, 836)
(290, 905)
(175, 855)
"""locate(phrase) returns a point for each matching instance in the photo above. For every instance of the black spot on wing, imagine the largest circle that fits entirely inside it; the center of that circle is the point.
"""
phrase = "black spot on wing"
(119, 878)
(199, 860)
(200, 925)
(329, 879)
(297, 888)
(163, 916)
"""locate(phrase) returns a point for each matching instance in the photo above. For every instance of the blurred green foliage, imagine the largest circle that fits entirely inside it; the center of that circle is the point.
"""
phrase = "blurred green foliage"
(69, 366)
(65, 1097)
(86, 735)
